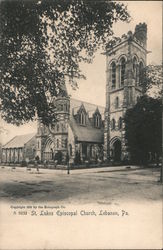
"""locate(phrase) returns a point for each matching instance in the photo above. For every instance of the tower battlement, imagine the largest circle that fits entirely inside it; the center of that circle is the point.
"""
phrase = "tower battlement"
(141, 33)
(139, 36)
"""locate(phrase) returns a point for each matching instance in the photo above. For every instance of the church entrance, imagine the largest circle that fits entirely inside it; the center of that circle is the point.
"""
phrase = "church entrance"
(48, 153)
(117, 150)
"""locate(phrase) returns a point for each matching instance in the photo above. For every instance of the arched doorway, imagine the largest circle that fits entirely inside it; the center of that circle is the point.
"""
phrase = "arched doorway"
(48, 153)
(117, 150)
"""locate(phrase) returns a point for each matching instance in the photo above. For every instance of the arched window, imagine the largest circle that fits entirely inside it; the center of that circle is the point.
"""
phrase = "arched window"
(82, 118)
(57, 143)
(70, 149)
(122, 70)
(117, 102)
(66, 143)
(61, 107)
(57, 127)
(141, 72)
(135, 68)
(120, 122)
(62, 127)
(97, 120)
(113, 124)
(113, 75)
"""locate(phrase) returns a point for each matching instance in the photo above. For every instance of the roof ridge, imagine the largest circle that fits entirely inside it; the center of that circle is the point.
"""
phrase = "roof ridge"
(18, 136)
(10, 140)
(87, 102)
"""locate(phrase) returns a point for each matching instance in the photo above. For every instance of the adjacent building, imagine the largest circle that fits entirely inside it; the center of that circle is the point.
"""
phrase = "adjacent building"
(20, 148)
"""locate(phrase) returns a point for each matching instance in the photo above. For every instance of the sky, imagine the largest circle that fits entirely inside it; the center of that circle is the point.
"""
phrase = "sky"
(93, 88)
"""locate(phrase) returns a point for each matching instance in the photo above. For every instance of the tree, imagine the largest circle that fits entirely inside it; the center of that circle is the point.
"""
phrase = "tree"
(42, 45)
(151, 80)
(143, 129)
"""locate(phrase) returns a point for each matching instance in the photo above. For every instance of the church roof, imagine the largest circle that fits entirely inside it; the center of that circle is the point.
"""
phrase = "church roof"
(89, 107)
(19, 141)
(86, 133)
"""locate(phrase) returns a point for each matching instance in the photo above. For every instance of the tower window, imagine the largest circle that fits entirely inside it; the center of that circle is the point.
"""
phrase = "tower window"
(62, 127)
(66, 143)
(113, 75)
(57, 143)
(141, 71)
(117, 102)
(120, 123)
(122, 71)
(61, 107)
(113, 124)
(135, 68)
(57, 127)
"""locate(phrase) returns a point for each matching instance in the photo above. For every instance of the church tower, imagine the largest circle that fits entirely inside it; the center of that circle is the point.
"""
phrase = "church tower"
(59, 129)
(124, 64)
(53, 139)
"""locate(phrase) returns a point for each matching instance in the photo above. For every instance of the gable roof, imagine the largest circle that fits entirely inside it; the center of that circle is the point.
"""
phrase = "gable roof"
(89, 107)
(19, 141)
(86, 133)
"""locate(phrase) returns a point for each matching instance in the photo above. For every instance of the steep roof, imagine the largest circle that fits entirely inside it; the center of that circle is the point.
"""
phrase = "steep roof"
(19, 141)
(90, 108)
(86, 133)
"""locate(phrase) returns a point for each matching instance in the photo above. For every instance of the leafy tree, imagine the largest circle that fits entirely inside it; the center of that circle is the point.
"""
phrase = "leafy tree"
(143, 129)
(151, 80)
(42, 45)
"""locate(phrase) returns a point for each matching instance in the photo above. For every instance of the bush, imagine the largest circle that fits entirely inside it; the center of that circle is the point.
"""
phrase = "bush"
(58, 157)
(24, 164)
(77, 159)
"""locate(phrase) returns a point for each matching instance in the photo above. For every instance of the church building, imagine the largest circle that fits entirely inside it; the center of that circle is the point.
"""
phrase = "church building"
(90, 132)
(125, 62)
(78, 131)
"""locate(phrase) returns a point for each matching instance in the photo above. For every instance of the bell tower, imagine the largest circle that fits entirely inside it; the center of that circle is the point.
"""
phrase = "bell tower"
(59, 128)
(124, 65)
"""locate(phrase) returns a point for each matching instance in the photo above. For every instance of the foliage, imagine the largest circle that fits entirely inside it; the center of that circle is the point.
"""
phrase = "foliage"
(143, 129)
(77, 159)
(58, 157)
(151, 80)
(42, 45)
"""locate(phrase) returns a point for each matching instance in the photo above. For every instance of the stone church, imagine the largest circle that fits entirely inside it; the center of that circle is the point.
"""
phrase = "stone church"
(92, 132)
(78, 131)
(125, 62)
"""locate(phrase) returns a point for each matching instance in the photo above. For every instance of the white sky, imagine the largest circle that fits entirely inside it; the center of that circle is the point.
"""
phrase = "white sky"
(93, 88)
(150, 12)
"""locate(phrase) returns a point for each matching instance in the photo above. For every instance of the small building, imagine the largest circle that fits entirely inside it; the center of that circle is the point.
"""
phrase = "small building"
(20, 148)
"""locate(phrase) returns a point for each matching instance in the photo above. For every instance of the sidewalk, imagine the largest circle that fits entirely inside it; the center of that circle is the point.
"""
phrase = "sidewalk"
(74, 171)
